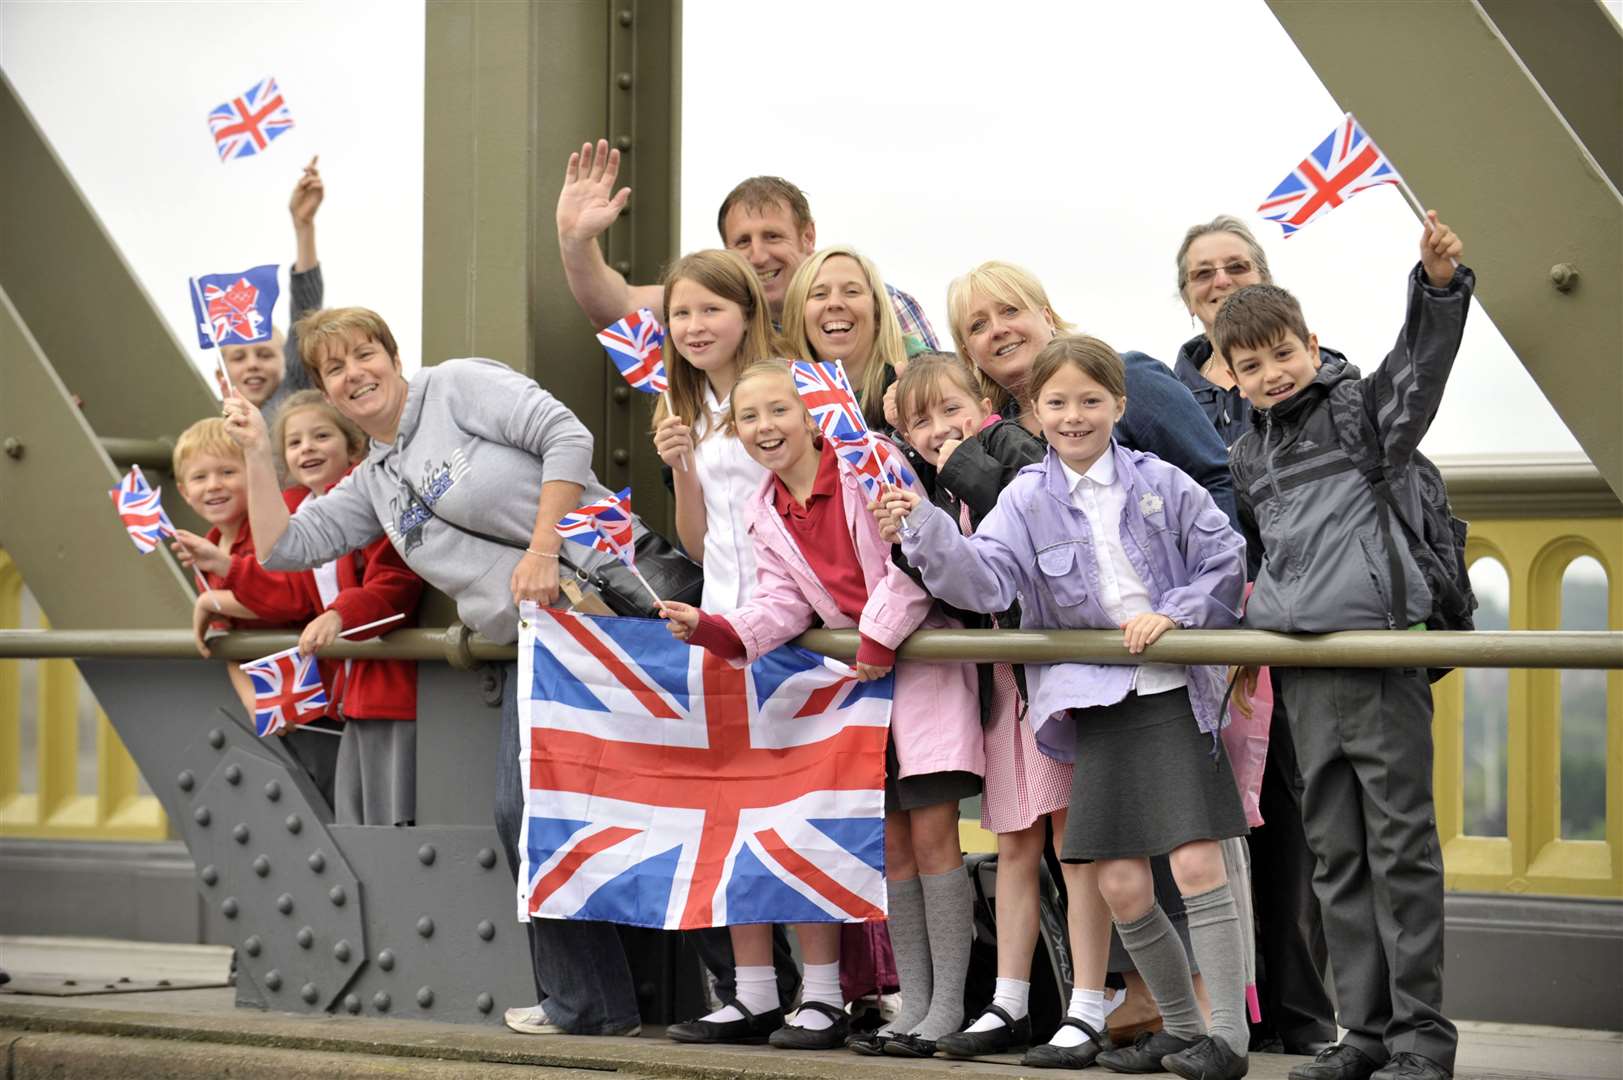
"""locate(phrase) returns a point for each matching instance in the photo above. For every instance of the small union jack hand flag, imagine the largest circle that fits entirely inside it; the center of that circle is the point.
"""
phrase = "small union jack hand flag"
(829, 398)
(1345, 163)
(287, 691)
(876, 462)
(602, 526)
(636, 344)
(246, 125)
(140, 507)
(234, 309)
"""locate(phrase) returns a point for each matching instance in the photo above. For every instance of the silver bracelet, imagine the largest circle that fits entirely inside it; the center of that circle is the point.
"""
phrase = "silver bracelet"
(543, 554)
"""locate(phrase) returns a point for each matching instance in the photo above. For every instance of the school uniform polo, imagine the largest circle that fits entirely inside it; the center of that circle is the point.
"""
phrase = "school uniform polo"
(725, 470)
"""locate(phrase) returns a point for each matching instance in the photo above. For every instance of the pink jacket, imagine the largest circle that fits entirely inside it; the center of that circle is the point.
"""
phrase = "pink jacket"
(935, 715)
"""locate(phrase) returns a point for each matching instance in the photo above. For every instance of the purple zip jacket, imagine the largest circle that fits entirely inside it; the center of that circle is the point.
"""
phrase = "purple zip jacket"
(1036, 546)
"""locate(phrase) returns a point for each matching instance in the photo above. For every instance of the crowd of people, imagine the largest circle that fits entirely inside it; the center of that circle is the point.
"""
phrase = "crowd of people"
(1061, 484)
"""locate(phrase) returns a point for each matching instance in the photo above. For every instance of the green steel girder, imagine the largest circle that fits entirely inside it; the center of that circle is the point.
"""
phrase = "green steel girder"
(1475, 133)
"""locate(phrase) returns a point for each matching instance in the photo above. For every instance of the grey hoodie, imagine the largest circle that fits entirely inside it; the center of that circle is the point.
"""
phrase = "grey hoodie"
(477, 440)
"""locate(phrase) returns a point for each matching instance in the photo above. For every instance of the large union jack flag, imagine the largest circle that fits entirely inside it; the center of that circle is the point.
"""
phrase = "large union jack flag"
(667, 788)
(287, 691)
(636, 344)
(829, 398)
(234, 309)
(876, 461)
(140, 508)
(1345, 163)
(246, 125)
(602, 526)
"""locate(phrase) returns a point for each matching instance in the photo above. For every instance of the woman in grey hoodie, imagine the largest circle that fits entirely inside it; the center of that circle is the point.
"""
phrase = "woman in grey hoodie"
(470, 466)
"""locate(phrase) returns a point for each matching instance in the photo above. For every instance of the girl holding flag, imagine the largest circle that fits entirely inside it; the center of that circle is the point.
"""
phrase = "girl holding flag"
(819, 557)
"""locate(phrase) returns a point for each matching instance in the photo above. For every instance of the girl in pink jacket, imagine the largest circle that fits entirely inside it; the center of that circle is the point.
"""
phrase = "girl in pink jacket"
(820, 559)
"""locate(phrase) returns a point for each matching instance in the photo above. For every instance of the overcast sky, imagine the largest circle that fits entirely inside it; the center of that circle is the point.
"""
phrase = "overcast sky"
(1078, 139)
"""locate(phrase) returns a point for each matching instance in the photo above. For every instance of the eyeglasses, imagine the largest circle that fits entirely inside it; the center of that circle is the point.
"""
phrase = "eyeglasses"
(1237, 268)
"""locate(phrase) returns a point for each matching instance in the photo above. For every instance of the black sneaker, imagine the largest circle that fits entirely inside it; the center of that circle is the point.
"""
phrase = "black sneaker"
(752, 1030)
(1337, 1062)
(1008, 1037)
(1208, 1059)
(1411, 1066)
(793, 1037)
(1145, 1055)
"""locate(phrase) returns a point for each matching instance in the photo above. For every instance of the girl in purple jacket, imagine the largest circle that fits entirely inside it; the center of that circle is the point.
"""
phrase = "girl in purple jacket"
(820, 559)
(1096, 537)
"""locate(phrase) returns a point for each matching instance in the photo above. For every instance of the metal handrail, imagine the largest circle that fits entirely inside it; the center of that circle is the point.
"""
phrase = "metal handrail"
(1349, 648)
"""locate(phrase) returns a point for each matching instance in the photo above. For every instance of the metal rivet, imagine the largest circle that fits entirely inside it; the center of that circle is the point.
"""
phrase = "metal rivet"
(625, 16)
(624, 80)
(201, 815)
(240, 833)
(233, 774)
(251, 945)
(425, 997)
(623, 142)
(293, 823)
(306, 937)
(209, 875)
(622, 394)
(317, 861)
(386, 959)
(336, 895)
(14, 448)
(284, 904)
(308, 993)
(352, 1003)
(486, 929)
(425, 854)
(486, 857)
(216, 738)
(425, 926)
(621, 455)
(228, 907)
(273, 979)
(1564, 276)
(261, 865)
(185, 781)
(273, 790)
(484, 1002)
(341, 952)
(380, 1001)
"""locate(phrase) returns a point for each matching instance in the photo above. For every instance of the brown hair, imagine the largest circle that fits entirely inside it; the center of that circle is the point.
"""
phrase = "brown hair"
(763, 369)
(317, 329)
(1088, 355)
(760, 193)
(1225, 223)
(921, 386)
(204, 437)
(354, 439)
(1005, 283)
(889, 350)
(731, 278)
(1255, 318)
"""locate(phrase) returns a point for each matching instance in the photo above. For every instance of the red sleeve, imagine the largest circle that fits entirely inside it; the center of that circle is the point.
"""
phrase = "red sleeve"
(388, 587)
(273, 596)
(873, 652)
(718, 636)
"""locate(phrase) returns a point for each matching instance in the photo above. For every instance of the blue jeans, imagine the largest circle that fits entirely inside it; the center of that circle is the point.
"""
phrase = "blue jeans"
(580, 967)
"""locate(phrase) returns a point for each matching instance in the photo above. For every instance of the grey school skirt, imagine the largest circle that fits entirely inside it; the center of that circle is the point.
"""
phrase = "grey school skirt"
(1146, 781)
(376, 782)
(925, 789)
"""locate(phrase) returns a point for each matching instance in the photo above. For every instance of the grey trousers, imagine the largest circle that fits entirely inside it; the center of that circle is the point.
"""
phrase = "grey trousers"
(1363, 741)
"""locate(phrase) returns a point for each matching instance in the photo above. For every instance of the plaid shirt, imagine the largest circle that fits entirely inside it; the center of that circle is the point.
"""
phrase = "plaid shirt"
(911, 315)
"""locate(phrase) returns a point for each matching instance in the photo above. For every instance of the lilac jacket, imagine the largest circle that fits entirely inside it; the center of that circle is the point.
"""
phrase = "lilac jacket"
(935, 715)
(1037, 546)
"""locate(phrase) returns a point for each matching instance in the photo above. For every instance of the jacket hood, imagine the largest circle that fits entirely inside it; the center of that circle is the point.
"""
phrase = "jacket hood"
(1192, 356)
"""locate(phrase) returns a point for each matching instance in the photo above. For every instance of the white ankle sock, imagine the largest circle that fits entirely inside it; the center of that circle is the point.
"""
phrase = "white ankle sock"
(821, 983)
(757, 991)
(1087, 1006)
(1013, 996)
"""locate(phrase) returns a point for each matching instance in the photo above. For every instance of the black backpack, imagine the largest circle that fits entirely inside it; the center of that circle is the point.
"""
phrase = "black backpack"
(1436, 542)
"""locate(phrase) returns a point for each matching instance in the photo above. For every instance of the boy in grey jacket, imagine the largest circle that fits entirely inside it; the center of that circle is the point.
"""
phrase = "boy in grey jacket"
(1363, 735)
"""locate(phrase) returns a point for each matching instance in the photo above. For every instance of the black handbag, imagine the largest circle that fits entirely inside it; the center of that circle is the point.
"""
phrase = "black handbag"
(672, 574)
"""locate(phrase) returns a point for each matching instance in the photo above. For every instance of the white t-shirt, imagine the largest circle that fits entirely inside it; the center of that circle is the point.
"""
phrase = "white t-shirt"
(729, 478)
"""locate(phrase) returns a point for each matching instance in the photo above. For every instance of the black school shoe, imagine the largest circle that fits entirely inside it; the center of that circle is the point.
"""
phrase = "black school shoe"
(868, 1043)
(1411, 1066)
(1011, 1036)
(790, 1037)
(750, 1031)
(1336, 1062)
(909, 1046)
(1049, 1056)
(1145, 1055)
(1208, 1058)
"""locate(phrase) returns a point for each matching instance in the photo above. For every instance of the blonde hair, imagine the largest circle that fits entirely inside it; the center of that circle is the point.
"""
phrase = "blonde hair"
(319, 328)
(921, 386)
(731, 278)
(1003, 283)
(889, 350)
(354, 439)
(763, 369)
(204, 437)
(1088, 355)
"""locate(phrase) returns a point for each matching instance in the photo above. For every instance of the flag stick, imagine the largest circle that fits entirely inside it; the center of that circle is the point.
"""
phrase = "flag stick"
(208, 323)
(346, 633)
(375, 622)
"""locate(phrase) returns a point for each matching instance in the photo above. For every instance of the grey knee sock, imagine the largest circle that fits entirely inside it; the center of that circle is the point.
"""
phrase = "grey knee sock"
(1158, 954)
(911, 943)
(1214, 934)
(949, 908)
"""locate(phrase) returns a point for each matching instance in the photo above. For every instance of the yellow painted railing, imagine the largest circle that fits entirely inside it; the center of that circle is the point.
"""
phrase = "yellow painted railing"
(56, 808)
